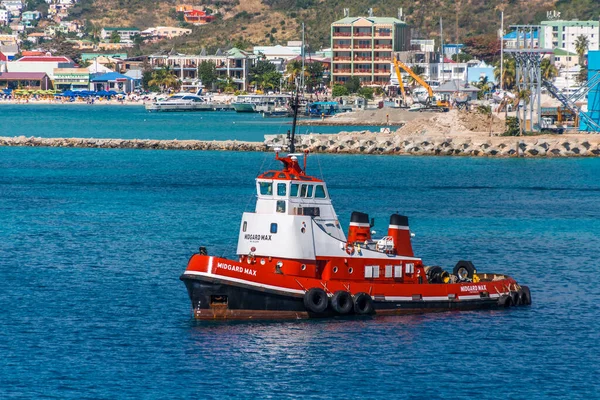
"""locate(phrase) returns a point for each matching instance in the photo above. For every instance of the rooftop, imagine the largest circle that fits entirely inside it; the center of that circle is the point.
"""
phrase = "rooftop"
(59, 59)
(22, 76)
(373, 20)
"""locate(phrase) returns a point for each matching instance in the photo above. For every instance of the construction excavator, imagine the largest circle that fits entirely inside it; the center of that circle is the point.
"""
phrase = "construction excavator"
(431, 104)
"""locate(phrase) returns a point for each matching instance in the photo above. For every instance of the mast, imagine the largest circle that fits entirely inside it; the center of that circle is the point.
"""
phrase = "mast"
(295, 107)
(442, 47)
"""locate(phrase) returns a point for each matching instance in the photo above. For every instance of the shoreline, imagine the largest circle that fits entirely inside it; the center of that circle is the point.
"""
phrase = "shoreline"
(580, 145)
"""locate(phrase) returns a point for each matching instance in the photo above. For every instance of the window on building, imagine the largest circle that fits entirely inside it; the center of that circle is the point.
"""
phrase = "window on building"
(273, 228)
(281, 189)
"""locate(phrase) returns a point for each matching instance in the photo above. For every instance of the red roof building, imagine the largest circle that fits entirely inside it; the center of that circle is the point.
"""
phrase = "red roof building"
(197, 17)
(53, 59)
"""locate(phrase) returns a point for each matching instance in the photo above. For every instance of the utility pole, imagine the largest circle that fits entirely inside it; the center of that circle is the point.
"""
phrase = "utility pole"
(442, 47)
(502, 50)
(302, 54)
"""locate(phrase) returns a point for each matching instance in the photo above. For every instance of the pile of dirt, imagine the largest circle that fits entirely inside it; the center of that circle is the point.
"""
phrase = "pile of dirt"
(454, 123)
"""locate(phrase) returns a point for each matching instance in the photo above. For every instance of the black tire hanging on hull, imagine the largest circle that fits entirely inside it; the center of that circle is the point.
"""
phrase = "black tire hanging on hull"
(341, 302)
(515, 298)
(505, 301)
(315, 300)
(363, 304)
(525, 296)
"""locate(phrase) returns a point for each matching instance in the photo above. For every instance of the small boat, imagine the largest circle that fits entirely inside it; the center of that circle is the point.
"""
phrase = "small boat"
(278, 112)
(259, 102)
(295, 261)
(320, 109)
(181, 102)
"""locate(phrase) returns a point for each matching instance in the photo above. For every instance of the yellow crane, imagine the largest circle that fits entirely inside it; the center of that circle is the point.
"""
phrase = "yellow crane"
(441, 105)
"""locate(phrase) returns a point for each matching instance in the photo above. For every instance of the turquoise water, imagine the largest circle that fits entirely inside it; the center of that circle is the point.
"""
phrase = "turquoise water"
(93, 243)
(134, 122)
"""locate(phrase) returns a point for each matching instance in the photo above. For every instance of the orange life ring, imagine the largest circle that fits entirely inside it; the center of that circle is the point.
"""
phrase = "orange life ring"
(349, 248)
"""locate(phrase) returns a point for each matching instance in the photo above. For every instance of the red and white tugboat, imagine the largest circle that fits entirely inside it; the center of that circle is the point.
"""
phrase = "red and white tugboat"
(295, 261)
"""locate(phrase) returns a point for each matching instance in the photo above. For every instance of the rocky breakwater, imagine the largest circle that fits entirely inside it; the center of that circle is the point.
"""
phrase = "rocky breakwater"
(230, 145)
(579, 145)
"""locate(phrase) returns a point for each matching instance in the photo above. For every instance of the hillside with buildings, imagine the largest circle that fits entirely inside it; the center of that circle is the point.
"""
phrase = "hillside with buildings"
(260, 22)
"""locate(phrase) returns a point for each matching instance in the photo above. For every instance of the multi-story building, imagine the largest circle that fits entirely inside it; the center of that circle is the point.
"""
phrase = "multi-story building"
(126, 34)
(234, 64)
(4, 16)
(560, 34)
(164, 32)
(364, 47)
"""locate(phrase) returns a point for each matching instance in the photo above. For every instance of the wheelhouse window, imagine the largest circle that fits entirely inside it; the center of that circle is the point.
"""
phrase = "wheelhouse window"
(320, 192)
(280, 206)
(281, 189)
(294, 190)
(266, 188)
(309, 192)
(303, 191)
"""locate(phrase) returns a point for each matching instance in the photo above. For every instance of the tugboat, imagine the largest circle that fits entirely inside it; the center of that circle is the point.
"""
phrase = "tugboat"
(295, 261)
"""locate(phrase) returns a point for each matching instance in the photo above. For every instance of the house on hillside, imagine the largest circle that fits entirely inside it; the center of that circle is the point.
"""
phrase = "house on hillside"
(8, 52)
(4, 16)
(197, 17)
(71, 78)
(125, 34)
(30, 17)
(164, 32)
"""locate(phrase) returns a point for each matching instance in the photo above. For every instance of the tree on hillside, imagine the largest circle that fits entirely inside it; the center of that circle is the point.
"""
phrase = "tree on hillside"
(207, 72)
(581, 46)
(114, 37)
(483, 47)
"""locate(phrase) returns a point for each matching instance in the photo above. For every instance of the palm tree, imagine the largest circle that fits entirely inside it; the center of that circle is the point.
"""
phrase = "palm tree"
(293, 70)
(510, 74)
(417, 70)
(548, 69)
(581, 45)
(164, 78)
(523, 96)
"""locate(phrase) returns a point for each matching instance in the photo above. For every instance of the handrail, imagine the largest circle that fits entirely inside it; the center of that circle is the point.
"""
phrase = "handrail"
(568, 103)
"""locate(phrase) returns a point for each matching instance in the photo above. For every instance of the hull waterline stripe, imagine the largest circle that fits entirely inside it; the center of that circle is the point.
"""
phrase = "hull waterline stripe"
(243, 281)
(283, 289)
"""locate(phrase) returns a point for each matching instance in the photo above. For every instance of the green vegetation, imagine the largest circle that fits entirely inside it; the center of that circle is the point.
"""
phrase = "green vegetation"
(207, 72)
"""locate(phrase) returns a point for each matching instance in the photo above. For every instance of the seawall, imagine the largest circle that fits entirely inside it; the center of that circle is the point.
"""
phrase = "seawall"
(580, 145)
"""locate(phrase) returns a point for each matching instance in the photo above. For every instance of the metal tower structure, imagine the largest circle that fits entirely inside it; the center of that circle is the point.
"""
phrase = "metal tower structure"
(528, 60)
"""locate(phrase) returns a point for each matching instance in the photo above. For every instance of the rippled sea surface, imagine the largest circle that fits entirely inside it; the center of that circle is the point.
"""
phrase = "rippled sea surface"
(92, 243)
(134, 122)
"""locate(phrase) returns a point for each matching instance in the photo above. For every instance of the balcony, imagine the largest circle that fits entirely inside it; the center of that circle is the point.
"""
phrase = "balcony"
(342, 34)
(383, 46)
(383, 59)
(342, 59)
(362, 71)
(341, 46)
(363, 46)
(342, 71)
(383, 34)
(363, 59)
(382, 72)
(362, 34)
